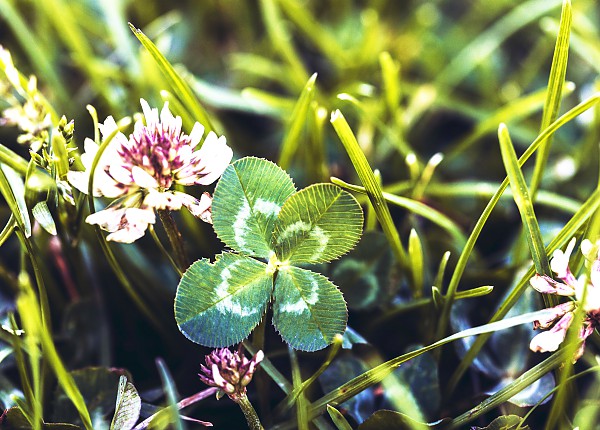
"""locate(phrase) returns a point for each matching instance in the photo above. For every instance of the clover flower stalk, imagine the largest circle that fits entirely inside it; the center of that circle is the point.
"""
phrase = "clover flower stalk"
(585, 291)
(231, 372)
(141, 171)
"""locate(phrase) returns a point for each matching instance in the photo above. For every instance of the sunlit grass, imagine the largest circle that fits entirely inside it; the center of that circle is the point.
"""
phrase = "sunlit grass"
(466, 130)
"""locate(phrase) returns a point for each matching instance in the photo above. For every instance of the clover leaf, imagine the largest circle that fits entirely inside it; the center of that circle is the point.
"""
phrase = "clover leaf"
(271, 227)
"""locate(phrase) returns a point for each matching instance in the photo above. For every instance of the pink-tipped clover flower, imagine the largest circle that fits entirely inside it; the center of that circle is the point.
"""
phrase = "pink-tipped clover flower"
(229, 371)
(140, 172)
(585, 291)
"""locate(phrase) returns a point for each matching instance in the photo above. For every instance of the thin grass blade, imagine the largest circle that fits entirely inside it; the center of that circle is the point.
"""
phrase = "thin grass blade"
(180, 88)
(523, 201)
(291, 142)
(558, 71)
(377, 374)
(468, 249)
(338, 419)
(372, 187)
(415, 207)
(588, 209)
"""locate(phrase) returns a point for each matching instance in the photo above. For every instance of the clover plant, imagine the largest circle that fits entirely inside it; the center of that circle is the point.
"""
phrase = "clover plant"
(271, 229)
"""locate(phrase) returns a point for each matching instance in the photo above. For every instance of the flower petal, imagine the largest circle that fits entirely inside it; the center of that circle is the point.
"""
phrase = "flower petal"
(196, 135)
(198, 208)
(162, 200)
(125, 224)
(108, 219)
(588, 293)
(560, 263)
(553, 314)
(550, 340)
(547, 285)
(595, 275)
(208, 163)
(109, 127)
(143, 179)
(150, 115)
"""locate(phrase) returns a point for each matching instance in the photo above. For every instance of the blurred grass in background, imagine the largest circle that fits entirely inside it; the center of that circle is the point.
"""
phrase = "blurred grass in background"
(412, 78)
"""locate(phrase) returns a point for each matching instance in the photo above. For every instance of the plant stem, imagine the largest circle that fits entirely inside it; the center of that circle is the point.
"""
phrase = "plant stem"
(174, 236)
(250, 414)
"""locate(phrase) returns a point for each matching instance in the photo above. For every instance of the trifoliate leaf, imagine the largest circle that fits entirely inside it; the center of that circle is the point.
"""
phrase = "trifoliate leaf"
(308, 310)
(317, 224)
(246, 203)
(219, 304)
(127, 407)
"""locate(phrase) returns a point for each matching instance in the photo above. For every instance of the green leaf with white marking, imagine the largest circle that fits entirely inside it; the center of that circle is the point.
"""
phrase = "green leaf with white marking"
(318, 224)
(127, 407)
(308, 310)
(246, 203)
(218, 304)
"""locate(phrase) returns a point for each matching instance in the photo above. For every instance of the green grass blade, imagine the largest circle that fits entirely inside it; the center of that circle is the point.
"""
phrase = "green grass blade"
(466, 253)
(270, 369)
(115, 21)
(415, 255)
(587, 210)
(390, 75)
(318, 34)
(8, 229)
(229, 98)
(33, 324)
(415, 207)
(474, 292)
(178, 85)
(378, 373)
(174, 418)
(34, 49)
(12, 189)
(18, 346)
(479, 50)
(513, 112)
(281, 40)
(464, 257)
(394, 136)
(498, 398)
(523, 201)
(372, 187)
(292, 139)
(338, 419)
(288, 402)
(556, 81)
(68, 27)
(482, 189)
(301, 403)
(14, 160)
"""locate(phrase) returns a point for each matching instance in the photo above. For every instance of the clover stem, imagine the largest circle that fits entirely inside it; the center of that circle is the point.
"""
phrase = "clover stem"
(250, 414)
(174, 236)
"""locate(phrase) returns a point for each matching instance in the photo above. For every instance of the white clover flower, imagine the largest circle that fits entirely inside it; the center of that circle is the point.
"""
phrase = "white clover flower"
(586, 293)
(140, 171)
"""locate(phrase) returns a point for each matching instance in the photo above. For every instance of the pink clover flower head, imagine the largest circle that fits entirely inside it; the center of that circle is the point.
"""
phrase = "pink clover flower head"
(140, 171)
(585, 292)
(229, 371)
